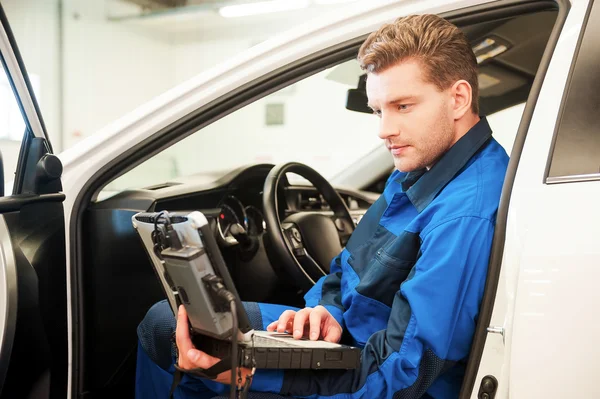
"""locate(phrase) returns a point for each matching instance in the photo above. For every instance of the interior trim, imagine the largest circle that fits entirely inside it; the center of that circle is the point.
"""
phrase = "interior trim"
(8, 301)
(16, 202)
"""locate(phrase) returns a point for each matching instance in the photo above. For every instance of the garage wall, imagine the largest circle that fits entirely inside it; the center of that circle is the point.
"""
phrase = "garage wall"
(109, 67)
(192, 57)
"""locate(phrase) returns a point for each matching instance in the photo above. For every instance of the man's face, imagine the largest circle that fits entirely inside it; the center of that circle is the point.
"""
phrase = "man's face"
(415, 117)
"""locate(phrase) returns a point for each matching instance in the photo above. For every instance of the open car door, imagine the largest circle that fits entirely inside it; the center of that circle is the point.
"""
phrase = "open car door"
(33, 295)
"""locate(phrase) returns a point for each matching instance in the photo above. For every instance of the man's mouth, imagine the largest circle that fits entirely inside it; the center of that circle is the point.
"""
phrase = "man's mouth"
(397, 149)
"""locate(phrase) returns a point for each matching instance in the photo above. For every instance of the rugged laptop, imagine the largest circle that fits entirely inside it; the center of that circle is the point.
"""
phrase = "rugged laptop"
(184, 272)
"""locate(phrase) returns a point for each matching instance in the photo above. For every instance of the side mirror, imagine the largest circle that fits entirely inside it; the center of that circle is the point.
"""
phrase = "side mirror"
(356, 99)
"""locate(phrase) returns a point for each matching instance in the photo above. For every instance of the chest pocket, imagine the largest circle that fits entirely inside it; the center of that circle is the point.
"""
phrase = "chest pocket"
(389, 268)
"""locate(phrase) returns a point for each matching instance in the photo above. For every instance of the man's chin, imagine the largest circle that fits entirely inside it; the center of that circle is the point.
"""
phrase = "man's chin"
(406, 167)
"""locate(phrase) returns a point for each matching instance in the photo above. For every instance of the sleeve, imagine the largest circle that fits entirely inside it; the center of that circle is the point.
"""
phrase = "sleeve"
(327, 292)
(431, 324)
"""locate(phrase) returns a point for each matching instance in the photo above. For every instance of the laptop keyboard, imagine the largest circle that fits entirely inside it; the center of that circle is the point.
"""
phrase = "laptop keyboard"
(268, 342)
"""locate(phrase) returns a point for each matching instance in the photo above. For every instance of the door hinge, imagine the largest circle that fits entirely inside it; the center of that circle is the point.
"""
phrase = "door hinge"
(496, 330)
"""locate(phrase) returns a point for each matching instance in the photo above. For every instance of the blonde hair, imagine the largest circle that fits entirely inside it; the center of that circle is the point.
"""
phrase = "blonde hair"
(438, 45)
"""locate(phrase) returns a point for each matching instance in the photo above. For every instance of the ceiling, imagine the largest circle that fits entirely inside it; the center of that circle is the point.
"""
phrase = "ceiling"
(185, 16)
(156, 5)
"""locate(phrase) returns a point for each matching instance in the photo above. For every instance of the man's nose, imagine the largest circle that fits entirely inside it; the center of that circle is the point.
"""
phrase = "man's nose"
(387, 128)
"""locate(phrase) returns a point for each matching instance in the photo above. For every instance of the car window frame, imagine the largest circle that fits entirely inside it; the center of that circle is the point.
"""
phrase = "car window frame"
(566, 102)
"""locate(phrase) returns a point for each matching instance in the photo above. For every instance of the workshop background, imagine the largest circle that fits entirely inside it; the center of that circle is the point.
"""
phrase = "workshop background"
(92, 62)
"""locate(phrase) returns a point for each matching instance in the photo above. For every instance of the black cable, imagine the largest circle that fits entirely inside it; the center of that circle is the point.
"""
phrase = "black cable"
(219, 289)
(158, 239)
(164, 214)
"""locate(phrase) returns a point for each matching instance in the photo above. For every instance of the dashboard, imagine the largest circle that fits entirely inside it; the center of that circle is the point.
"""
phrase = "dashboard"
(234, 207)
(236, 218)
(234, 199)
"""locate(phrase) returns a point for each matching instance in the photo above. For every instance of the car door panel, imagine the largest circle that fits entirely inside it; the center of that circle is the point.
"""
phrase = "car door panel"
(8, 299)
(33, 345)
(40, 347)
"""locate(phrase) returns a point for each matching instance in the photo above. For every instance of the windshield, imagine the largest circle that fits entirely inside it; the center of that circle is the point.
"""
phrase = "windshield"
(306, 122)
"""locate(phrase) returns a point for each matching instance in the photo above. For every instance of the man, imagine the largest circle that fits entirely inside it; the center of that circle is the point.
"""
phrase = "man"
(407, 287)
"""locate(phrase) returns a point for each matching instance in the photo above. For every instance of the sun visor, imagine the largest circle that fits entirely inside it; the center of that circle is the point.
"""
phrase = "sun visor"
(496, 81)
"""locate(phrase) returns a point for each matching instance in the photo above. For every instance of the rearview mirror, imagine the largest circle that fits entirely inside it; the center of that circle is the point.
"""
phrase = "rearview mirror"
(356, 99)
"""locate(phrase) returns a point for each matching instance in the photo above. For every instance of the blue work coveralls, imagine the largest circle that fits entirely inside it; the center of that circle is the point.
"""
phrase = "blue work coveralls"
(406, 288)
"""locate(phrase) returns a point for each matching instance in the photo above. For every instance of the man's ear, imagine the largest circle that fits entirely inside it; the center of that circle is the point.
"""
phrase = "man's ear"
(462, 94)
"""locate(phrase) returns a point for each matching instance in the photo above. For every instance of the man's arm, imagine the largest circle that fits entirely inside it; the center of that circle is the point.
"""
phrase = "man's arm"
(327, 292)
(431, 323)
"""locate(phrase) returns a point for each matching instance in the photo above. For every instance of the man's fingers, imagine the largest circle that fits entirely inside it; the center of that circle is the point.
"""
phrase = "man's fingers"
(315, 319)
(274, 325)
(284, 320)
(332, 333)
(200, 359)
(300, 320)
(182, 333)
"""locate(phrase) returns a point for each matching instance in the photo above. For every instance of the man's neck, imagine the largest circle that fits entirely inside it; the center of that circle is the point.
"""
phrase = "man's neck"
(461, 127)
(464, 124)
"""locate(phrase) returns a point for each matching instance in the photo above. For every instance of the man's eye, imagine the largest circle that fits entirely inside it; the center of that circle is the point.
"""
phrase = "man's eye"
(403, 107)
(377, 112)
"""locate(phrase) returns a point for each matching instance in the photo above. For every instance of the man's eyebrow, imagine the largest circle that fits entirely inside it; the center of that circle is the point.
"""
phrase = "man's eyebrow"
(403, 98)
(395, 101)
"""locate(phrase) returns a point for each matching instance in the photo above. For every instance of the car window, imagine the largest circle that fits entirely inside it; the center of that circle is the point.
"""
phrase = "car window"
(305, 122)
(12, 129)
(576, 154)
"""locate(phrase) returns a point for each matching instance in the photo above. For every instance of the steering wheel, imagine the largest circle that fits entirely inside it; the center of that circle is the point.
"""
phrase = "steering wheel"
(304, 243)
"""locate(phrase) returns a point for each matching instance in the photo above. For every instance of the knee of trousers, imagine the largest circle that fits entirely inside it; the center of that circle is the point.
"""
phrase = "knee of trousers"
(155, 333)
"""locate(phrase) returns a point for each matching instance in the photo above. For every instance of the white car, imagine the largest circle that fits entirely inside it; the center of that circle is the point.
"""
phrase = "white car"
(74, 278)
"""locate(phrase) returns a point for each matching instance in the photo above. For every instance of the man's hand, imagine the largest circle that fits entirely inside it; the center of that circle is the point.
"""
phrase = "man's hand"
(190, 357)
(318, 322)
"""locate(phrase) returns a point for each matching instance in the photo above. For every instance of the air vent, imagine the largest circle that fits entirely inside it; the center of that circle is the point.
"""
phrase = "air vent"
(355, 202)
(311, 201)
(150, 219)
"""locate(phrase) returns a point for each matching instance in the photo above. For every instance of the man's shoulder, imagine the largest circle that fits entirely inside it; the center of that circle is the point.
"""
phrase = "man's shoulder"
(475, 190)
(485, 170)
